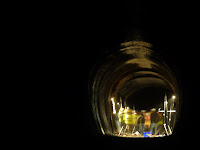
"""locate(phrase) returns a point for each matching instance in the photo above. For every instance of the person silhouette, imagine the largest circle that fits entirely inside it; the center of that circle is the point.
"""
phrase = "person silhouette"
(154, 121)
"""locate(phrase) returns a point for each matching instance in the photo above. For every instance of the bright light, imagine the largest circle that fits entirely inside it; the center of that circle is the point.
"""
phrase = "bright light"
(121, 109)
(167, 111)
(137, 133)
(173, 96)
(113, 102)
(159, 109)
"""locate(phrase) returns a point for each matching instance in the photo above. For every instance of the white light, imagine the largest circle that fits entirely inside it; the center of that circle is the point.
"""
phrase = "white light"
(113, 102)
(159, 109)
(172, 111)
(173, 97)
(165, 129)
(137, 133)
(167, 111)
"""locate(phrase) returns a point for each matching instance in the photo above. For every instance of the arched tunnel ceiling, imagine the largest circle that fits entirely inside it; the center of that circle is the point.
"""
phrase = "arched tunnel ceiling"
(134, 85)
(131, 82)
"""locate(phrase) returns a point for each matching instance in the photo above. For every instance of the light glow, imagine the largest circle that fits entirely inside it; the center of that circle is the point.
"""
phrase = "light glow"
(167, 111)
(113, 103)
(137, 133)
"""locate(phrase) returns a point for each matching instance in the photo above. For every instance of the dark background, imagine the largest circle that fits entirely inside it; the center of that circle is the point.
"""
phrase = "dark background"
(150, 96)
(76, 36)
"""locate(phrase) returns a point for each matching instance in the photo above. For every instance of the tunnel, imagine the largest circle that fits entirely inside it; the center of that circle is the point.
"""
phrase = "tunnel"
(133, 78)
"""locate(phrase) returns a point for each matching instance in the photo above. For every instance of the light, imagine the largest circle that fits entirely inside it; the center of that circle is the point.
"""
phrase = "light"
(167, 111)
(173, 97)
(165, 128)
(137, 133)
(113, 102)
(159, 109)
(121, 110)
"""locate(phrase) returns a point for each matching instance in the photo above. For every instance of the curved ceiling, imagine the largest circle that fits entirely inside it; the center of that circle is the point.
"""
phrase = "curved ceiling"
(137, 84)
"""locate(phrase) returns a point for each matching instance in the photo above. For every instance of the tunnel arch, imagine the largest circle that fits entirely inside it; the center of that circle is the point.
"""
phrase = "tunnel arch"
(131, 68)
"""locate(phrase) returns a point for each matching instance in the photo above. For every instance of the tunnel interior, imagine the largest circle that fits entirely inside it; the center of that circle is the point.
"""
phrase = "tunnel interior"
(131, 80)
(146, 98)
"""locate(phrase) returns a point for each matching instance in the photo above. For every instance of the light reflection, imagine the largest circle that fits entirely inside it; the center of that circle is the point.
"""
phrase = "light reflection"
(144, 123)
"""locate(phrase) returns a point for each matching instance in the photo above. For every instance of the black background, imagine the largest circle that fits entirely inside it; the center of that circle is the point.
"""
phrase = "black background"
(76, 36)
